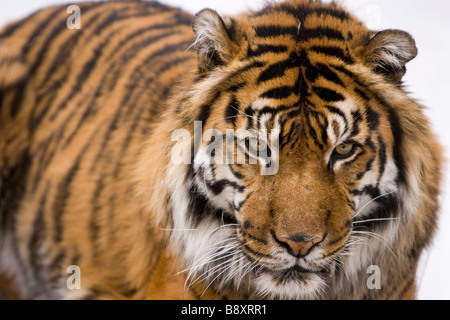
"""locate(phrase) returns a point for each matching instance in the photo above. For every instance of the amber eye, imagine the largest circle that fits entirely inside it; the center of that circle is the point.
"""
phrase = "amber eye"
(344, 148)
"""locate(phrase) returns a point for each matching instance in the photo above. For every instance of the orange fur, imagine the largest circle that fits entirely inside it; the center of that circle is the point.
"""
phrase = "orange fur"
(86, 122)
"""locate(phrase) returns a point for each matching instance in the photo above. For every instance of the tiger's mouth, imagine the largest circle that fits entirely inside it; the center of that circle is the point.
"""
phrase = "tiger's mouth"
(297, 272)
(295, 282)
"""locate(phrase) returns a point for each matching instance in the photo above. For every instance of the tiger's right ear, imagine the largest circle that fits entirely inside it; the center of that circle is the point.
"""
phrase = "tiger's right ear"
(214, 39)
(388, 51)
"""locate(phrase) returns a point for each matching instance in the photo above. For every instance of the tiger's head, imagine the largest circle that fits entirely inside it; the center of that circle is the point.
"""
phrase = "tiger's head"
(312, 101)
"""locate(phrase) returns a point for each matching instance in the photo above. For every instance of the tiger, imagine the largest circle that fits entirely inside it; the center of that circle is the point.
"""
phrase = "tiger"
(113, 138)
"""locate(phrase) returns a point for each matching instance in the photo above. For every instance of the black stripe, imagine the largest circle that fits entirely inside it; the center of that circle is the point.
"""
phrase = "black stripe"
(312, 72)
(94, 224)
(397, 133)
(61, 26)
(322, 123)
(249, 112)
(327, 94)
(129, 55)
(205, 112)
(340, 238)
(230, 28)
(274, 31)
(278, 93)
(56, 265)
(12, 190)
(218, 186)
(333, 52)
(301, 12)
(66, 49)
(56, 138)
(63, 194)
(327, 10)
(19, 95)
(38, 233)
(372, 118)
(348, 73)
(337, 111)
(285, 139)
(361, 94)
(231, 111)
(278, 69)
(257, 254)
(370, 190)
(63, 191)
(382, 158)
(275, 70)
(389, 206)
(266, 48)
(323, 131)
(113, 125)
(370, 144)
(224, 217)
(131, 52)
(367, 169)
(355, 158)
(354, 78)
(90, 65)
(277, 109)
(320, 32)
(111, 20)
(250, 66)
(43, 150)
(330, 75)
(143, 107)
(334, 251)
(357, 119)
(408, 286)
(198, 205)
(313, 135)
(58, 61)
(237, 174)
(236, 87)
(252, 237)
(43, 25)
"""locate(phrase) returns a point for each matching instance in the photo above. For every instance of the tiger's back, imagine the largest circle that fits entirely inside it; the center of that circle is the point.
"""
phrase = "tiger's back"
(70, 123)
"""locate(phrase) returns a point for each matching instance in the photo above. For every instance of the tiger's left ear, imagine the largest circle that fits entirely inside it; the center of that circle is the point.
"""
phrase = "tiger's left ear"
(214, 39)
(388, 51)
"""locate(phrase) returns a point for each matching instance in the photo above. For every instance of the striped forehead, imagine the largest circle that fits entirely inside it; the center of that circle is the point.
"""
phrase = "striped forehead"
(328, 124)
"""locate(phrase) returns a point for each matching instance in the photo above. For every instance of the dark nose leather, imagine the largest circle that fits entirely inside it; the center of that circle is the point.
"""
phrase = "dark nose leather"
(299, 244)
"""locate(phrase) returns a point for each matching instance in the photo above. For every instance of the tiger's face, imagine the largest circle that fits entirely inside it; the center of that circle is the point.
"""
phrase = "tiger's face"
(278, 223)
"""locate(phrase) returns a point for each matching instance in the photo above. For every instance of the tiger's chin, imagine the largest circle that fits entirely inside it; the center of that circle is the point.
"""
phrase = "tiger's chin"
(292, 283)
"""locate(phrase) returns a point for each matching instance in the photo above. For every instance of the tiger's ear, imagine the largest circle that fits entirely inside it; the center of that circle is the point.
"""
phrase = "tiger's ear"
(213, 39)
(388, 51)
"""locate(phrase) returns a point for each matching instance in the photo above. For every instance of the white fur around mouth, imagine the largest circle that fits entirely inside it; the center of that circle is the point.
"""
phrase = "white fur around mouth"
(292, 283)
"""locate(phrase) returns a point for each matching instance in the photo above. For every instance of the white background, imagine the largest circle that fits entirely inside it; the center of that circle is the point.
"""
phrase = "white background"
(427, 79)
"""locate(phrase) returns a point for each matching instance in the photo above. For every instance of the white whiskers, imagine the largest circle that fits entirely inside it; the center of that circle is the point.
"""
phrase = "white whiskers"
(372, 200)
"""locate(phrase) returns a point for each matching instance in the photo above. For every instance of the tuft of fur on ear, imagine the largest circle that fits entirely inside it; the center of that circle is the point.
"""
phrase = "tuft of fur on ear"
(214, 40)
(388, 51)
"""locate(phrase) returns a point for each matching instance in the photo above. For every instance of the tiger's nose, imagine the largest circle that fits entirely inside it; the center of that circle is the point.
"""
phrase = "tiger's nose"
(299, 244)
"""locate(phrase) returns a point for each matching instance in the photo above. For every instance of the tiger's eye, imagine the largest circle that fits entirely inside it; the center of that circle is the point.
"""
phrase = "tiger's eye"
(344, 148)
